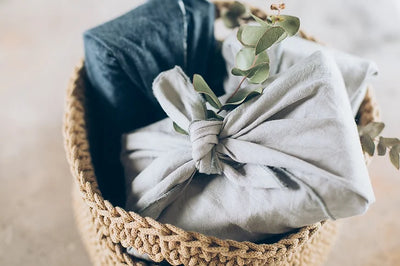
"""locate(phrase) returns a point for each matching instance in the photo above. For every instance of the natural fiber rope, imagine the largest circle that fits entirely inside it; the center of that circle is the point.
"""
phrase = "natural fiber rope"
(108, 230)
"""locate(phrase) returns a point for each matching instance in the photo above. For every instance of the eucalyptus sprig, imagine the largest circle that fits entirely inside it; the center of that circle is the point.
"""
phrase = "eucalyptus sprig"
(252, 61)
(371, 141)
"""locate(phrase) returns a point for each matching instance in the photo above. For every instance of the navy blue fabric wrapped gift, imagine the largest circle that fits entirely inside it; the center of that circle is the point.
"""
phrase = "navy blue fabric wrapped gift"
(122, 58)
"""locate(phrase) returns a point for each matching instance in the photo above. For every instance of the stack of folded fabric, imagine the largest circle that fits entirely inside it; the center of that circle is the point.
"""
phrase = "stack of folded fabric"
(287, 158)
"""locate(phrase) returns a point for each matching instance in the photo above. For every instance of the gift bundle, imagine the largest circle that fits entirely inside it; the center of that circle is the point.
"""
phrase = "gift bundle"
(246, 140)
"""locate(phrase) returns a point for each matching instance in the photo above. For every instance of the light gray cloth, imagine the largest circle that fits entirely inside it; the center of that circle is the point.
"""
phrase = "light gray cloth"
(356, 72)
(285, 159)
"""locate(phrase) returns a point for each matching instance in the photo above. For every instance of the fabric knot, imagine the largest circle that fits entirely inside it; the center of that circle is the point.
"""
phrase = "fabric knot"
(204, 138)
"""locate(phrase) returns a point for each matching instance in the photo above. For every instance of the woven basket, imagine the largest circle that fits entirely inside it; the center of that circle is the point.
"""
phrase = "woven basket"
(107, 230)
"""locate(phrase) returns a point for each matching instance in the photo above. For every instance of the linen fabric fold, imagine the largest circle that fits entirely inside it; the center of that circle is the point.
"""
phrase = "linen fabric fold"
(355, 71)
(282, 160)
(123, 57)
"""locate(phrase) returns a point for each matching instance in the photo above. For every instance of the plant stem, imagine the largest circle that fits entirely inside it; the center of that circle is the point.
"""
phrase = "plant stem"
(237, 89)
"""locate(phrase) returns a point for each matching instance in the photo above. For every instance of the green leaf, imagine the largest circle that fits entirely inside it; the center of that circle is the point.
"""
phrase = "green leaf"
(284, 36)
(250, 34)
(245, 73)
(202, 87)
(240, 33)
(373, 129)
(381, 147)
(229, 22)
(260, 74)
(237, 9)
(245, 58)
(262, 58)
(270, 36)
(394, 156)
(238, 72)
(390, 142)
(290, 24)
(231, 16)
(212, 115)
(256, 74)
(367, 144)
(397, 148)
(179, 129)
(259, 20)
(243, 95)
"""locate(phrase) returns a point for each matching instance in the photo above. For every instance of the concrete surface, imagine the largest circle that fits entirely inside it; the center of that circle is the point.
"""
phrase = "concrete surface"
(40, 42)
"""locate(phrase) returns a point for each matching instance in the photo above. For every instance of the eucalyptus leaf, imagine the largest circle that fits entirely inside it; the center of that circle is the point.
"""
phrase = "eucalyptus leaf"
(270, 36)
(237, 9)
(389, 142)
(251, 35)
(179, 129)
(262, 58)
(284, 36)
(243, 95)
(290, 24)
(396, 148)
(212, 115)
(229, 21)
(238, 72)
(240, 33)
(231, 16)
(367, 144)
(256, 74)
(202, 87)
(373, 129)
(394, 156)
(245, 58)
(259, 20)
(381, 147)
(260, 74)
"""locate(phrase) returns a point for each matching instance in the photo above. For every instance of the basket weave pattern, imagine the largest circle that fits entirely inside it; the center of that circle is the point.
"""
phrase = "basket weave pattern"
(107, 230)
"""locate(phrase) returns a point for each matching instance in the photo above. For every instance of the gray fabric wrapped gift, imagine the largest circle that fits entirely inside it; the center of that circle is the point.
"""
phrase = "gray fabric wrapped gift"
(285, 159)
(356, 72)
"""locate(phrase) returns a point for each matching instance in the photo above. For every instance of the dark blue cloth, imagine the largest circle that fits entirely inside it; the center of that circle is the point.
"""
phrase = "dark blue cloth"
(122, 58)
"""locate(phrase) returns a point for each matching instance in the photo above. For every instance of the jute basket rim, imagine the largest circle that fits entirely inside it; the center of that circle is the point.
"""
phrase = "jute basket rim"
(165, 241)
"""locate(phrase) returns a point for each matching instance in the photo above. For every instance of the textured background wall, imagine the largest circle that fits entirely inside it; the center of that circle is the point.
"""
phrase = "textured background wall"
(40, 42)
